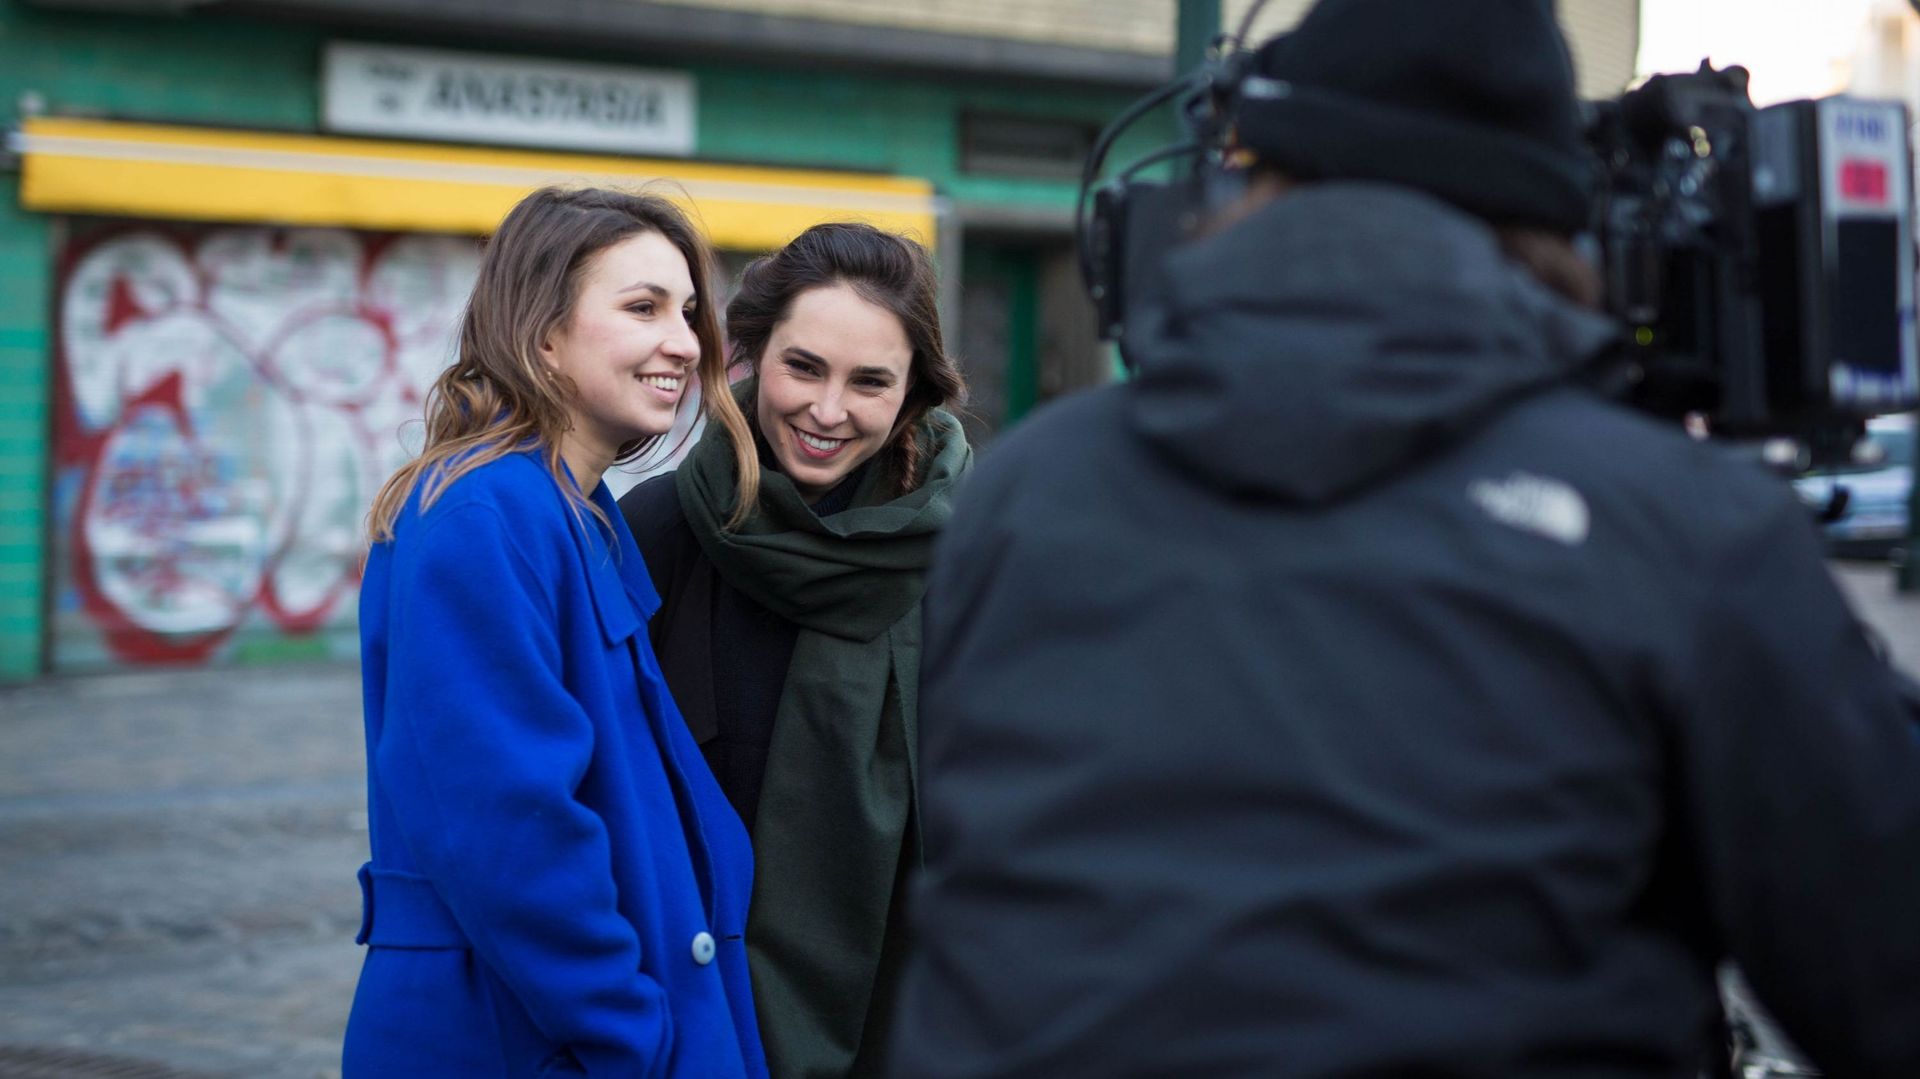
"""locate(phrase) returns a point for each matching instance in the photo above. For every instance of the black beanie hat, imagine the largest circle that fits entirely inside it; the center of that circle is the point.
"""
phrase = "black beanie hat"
(1469, 100)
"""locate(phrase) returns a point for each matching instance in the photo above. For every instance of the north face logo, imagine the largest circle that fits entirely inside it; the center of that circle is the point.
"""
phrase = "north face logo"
(1537, 504)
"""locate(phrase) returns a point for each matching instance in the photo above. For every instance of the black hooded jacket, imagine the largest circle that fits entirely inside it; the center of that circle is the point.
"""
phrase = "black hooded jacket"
(1352, 693)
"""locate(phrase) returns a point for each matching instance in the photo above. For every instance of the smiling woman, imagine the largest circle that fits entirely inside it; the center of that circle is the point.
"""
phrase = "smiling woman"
(789, 628)
(830, 396)
(627, 349)
(556, 884)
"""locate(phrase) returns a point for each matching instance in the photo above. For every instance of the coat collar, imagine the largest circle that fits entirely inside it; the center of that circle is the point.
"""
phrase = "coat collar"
(623, 593)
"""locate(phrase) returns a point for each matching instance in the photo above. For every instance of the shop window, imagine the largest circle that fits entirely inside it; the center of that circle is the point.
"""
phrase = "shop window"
(1026, 146)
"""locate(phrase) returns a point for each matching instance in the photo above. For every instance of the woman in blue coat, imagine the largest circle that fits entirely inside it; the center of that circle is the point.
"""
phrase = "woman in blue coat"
(557, 885)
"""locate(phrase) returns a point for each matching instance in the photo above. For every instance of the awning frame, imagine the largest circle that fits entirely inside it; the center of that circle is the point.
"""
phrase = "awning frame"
(108, 167)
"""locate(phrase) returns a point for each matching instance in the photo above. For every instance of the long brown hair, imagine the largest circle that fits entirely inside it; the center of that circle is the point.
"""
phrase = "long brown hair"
(498, 397)
(887, 270)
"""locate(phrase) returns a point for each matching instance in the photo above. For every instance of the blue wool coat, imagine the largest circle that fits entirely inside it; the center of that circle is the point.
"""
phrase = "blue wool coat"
(557, 884)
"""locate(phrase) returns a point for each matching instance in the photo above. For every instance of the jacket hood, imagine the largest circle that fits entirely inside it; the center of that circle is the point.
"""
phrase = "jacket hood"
(1338, 334)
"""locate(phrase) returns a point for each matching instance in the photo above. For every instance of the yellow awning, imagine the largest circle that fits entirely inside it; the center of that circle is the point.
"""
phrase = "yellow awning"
(204, 174)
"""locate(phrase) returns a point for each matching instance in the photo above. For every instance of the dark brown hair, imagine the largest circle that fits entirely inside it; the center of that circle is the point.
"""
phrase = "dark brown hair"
(1548, 256)
(498, 397)
(887, 270)
(1553, 261)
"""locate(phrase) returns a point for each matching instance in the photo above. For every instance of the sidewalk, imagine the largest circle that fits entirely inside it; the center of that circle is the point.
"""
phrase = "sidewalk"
(1895, 616)
(177, 858)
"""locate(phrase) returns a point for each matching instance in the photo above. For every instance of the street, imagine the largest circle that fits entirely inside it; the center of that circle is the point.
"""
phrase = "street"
(177, 857)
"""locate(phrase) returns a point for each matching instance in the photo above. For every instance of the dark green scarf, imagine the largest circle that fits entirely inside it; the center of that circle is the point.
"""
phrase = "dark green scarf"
(840, 780)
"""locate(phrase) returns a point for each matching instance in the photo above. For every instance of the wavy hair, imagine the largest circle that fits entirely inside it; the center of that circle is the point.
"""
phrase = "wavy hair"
(498, 396)
(885, 269)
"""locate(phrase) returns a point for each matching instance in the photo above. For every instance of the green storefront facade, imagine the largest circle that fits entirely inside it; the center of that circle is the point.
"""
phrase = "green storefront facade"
(992, 130)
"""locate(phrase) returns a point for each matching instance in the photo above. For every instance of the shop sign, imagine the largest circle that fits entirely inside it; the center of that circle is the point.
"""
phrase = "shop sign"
(474, 97)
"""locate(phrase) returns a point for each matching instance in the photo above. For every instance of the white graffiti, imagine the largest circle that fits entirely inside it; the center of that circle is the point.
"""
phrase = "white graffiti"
(236, 396)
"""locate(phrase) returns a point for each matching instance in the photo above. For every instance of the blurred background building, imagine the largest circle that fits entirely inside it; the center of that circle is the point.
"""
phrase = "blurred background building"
(1604, 34)
(235, 236)
(1886, 57)
(1793, 48)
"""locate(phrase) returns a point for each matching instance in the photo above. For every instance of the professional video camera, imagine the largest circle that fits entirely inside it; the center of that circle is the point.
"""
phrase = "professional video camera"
(1761, 261)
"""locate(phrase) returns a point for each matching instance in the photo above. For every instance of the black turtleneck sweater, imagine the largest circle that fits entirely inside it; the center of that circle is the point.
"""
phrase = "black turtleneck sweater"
(725, 656)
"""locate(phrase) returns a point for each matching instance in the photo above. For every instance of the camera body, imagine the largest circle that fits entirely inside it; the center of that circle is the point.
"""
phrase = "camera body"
(1760, 261)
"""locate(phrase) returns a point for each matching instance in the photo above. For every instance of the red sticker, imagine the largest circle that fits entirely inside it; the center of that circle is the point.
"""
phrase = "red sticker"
(1864, 181)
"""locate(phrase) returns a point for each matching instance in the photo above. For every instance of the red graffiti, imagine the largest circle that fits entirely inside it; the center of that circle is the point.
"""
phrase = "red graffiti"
(224, 405)
(141, 495)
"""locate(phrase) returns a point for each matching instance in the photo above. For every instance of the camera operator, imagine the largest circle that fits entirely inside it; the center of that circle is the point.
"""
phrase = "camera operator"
(1356, 692)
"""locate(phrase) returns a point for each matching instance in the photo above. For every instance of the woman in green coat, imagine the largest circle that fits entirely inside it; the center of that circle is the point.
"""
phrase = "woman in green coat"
(790, 551)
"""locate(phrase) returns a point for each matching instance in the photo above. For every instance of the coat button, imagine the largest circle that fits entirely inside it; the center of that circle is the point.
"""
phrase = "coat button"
(703, 948)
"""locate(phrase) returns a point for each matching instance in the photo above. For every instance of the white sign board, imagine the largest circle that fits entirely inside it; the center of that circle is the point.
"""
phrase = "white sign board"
(477, 97)
(1865, 164)
(1863, 156)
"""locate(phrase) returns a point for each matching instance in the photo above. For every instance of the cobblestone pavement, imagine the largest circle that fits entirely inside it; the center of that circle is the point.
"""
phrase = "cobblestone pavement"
(177, 856)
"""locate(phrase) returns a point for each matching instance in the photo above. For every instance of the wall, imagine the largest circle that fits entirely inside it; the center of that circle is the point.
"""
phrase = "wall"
(1144, 26)
(227, 73)
(23, 425)
(1886, 61)
(1604, 36)
(227, 400)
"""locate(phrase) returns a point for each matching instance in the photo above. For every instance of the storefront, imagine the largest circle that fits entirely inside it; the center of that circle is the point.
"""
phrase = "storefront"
(236, 249)
(246, 323)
